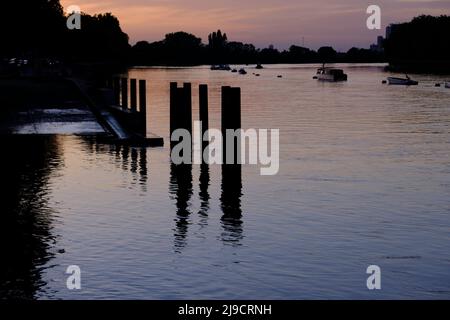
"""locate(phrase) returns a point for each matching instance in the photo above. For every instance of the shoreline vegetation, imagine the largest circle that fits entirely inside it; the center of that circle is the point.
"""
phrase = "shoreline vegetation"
(35, 38)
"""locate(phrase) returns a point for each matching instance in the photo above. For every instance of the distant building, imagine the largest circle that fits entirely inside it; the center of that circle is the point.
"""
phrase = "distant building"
(378, 47)
(389, 29)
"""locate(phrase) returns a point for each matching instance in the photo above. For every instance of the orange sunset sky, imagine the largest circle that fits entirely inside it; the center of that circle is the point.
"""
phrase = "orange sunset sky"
(341, 24)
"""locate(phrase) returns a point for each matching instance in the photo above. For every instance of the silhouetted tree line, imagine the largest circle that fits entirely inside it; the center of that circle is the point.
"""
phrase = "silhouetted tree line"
(37, 28)
(181, 48)
(420, 45)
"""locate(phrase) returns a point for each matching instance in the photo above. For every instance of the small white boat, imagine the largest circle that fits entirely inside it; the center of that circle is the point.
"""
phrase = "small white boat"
(402, 81)
(330, 74)
(447, 85)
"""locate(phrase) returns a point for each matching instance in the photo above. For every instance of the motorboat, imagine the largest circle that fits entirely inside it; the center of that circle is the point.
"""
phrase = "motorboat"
(242, 71)
(331, 74)
(222, 67)
(402, 81)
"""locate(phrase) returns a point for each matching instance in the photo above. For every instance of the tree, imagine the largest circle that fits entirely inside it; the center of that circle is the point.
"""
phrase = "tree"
(100, 38)
(31, 26)
(327, 54)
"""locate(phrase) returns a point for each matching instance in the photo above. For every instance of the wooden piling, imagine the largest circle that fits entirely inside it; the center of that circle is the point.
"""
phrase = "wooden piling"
(231, 119)
(180, 109)
(133, 95)
(124, 93)
(173, 107)
(143, 105)
(143, 96)
(203, 115)
(187, 107)
(116, 88)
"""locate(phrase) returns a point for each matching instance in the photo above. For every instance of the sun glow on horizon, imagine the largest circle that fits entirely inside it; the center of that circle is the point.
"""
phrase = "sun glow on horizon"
(261, 22)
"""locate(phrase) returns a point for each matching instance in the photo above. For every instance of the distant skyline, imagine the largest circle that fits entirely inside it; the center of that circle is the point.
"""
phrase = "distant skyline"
(341, 24)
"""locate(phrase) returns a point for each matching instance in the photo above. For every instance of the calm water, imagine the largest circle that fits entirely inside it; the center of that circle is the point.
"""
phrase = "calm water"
(364, 179)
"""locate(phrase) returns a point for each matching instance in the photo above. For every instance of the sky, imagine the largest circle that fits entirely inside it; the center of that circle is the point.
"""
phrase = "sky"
(314, 23)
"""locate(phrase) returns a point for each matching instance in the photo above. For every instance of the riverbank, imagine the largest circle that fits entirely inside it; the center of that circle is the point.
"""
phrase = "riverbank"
(417, 66)
(44, 106)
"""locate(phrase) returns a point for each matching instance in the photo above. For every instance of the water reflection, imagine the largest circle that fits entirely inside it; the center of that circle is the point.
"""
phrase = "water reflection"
(231, 204)
(131, 159)
(26, 236)
(204, 194)
(181, 191)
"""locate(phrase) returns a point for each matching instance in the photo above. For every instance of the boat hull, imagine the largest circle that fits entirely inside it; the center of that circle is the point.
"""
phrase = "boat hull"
(331, 75)
(330, 78)
(402, 82)
(221, 67)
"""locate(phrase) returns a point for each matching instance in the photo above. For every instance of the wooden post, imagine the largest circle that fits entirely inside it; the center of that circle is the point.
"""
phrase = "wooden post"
(133, 95)
(204, 117)
(143, 104)
(231, 119)
(231, 172)
(143, 96)
(117, 91)
(187, 107)
(124, 93)
(109, 83)
(173, 107)
(180, 108)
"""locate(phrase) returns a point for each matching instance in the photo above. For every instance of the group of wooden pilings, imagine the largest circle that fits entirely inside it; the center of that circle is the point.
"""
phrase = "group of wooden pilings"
(181, 112)
(131, 116)
(120, 86)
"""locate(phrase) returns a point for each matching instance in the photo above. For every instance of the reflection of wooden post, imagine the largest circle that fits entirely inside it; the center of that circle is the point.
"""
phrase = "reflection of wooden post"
(133, 95)
(231, 119)
(116, 91)
(204, 118)
(124, 93)
(143, 104)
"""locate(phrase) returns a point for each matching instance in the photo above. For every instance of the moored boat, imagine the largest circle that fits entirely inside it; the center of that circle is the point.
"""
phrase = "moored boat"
(331, 74)
(222, 67)
(402, 81)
